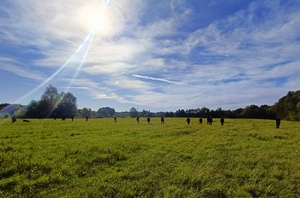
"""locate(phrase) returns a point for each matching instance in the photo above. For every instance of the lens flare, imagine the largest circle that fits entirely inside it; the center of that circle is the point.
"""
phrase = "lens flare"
(77, 59)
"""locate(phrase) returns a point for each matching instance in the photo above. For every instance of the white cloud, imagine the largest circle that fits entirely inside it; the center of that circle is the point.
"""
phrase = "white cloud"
(17, 68)
(146, 63)
(82, 83)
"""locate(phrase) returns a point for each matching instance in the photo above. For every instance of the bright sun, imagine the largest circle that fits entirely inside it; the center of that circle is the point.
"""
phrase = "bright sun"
(97, 21)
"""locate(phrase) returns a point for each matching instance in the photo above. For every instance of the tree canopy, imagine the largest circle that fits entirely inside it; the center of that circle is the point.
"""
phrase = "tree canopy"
(288, 107)
(52, 104)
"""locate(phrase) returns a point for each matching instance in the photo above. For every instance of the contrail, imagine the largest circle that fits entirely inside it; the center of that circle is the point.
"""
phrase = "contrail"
(162, 80)
(156, 79)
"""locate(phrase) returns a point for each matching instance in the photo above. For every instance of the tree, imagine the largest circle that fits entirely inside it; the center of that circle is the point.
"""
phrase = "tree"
(63, 104)
(219, 112)
(133, 112)
(286, 107)
(102, 113)
(181, 113)
(251, 111)
(169, 114)
(237, 113)
(32, 109)
(69, 102)
(111, 111)
(42, 108)
(47, 102)
(50, 94)
(105, 112)
(86, 112)
(204, 112)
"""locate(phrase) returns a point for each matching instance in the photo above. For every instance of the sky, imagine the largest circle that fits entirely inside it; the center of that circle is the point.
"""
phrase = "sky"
(157, 55)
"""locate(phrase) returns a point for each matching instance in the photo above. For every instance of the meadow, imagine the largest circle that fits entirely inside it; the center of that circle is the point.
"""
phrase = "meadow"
(100, 158)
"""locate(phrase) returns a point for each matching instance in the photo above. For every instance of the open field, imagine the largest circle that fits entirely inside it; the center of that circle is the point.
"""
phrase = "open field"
(100, 158)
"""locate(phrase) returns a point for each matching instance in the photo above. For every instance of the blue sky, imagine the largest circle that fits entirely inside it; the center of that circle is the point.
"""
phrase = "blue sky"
(158, 55)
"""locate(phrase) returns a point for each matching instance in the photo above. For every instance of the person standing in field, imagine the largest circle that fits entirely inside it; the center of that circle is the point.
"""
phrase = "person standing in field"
(210, 120)
(72, 117)
(148, 120)
(138, 119)
(277, 122)
(162, 120)
(86, 118)
(200, 120)
(115, 118)
(222, 121)
(13, 117)
(188, 120)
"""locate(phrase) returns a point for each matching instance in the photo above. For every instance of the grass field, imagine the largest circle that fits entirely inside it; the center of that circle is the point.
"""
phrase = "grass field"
(100, 158)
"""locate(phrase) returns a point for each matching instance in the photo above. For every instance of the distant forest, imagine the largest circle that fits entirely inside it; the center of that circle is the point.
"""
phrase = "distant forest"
(54, 104)
(287, 108)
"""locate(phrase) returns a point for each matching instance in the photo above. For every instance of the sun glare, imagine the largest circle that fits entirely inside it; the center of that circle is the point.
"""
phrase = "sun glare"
(97, 21)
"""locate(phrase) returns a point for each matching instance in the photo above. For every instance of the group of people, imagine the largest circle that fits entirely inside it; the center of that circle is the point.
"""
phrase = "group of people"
(209, 120)
(162, 119)
(188, 120)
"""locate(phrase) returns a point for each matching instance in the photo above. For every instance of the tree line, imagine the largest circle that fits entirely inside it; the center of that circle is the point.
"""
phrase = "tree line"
(54, 104)
(287, 108)
(51, 104)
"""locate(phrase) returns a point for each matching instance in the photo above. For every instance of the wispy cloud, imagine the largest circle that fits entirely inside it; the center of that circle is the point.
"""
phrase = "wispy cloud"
(19, 69)
(75, 87)
(158, 79)
(155, 53)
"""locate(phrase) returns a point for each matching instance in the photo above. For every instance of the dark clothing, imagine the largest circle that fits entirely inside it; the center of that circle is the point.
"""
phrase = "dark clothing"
(86, 118)
(200, 120)
(162, 120)
(222, 121)
(188, 120)
(148, 120)
(209, 120)
(138, 119)
(115, 118)
(277, 122)
(72, 117)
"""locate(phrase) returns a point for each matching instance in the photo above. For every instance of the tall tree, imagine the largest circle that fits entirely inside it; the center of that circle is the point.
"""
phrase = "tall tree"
(180, 113)
(47, 103)
(86, 112)
(69, 102)
(204, 112)
(102, 113)
(50, 94)
(32, 109)
(286, 107)
(133, 112)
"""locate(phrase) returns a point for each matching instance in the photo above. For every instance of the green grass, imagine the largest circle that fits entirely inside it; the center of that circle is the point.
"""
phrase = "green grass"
(100, 158)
